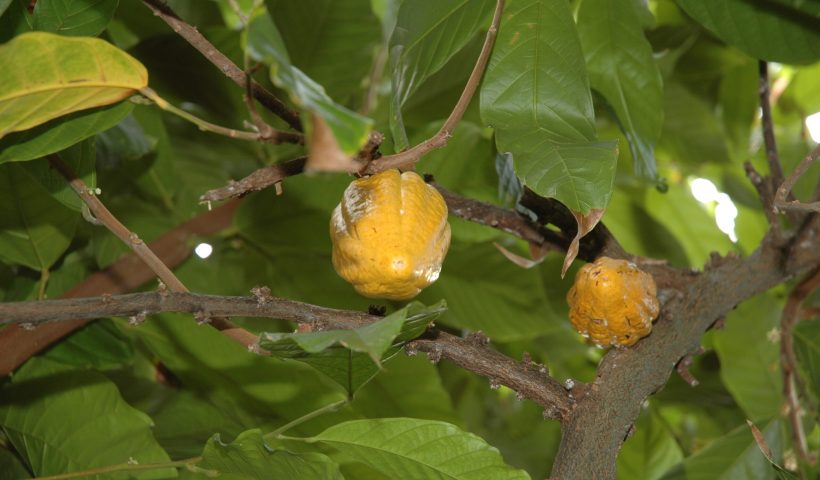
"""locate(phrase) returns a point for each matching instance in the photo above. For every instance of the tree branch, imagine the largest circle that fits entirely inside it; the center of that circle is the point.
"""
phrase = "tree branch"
(446, 131)
(129, 272)
(775, 169)
(601, 420)
(529, 382)
(139, 247)
(780, 199)
(223, 63)
(789, 320)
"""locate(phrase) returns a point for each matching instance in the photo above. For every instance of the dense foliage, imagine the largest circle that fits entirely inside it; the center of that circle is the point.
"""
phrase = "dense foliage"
(615, 105)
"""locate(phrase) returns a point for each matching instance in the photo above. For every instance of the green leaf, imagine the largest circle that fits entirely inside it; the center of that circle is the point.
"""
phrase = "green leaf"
(650, 452)
(621, 67)
(739, 104)
(373, 339)
(11, 466)
(264, 43)
(761, 30)
(81, 158)
(750, 357)
(807, 350)
(74, 17)
(98, 345)
(536, 96)
(206, 361)
(52, 75)
(61, 133)
(691, 131)
(47, 414)
(390, 394)
(733, 456)
(250, 457)
(412, 448)
(4, 4)
(513, 309)
(35, 229)
(427, 34)
(318, 33)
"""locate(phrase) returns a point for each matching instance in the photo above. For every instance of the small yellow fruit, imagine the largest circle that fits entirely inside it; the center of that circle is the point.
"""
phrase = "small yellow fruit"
(613, 302)
(390, 235)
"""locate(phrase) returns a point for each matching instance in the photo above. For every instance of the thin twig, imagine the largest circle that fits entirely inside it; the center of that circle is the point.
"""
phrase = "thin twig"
(129, 238)
(775, 169)
(127, 273)
(789, 320)
(225, 65)
(123, 467)
(441, 138)
(139, 247)
(781, 201)
(256, 181)
(268, 134)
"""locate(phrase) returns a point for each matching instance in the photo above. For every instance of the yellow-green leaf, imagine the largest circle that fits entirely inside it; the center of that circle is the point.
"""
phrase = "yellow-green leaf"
(45, 76)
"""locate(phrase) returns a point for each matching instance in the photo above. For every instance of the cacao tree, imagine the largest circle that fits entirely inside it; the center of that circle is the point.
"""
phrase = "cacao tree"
(169, 173)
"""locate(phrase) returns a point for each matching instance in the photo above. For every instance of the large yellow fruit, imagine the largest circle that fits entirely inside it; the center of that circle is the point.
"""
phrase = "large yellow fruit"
(613, 302)
(390, 235)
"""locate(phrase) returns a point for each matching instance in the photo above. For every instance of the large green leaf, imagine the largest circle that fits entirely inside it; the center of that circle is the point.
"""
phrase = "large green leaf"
(74, 17)
(807, 349)
(536, 96)
(208, 362)
(761, 29)
(50, 75)
(249, 456)
(11, 467)
(621, 67)
(412, 448)
(35, 229)
(750, 357)
(390, 394)
(427, 34)
(513, 309)
(650, 452)
(691, 131)
(61, 133)
(731, 457)
(317, 33)
(265, 43)
(64, 420)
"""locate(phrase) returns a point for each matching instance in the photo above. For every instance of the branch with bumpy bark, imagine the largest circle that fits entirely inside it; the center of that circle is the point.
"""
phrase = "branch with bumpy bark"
(593, 433)
(472, 353)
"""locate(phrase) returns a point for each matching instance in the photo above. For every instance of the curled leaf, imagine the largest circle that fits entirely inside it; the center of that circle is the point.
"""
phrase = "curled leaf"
(585, 225)
(325, 154)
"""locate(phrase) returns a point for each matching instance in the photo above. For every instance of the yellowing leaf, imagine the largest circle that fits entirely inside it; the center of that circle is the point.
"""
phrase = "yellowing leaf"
(44, 76)
(585, 225)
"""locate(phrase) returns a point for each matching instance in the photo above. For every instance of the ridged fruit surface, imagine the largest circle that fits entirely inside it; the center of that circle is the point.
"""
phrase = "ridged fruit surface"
(390, 235)
(613, 302)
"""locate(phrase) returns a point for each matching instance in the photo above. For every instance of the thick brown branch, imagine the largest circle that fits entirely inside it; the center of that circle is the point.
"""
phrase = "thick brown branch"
(225, 65)
(446, 131)
(151, 303)
(600, 421)
(528, 380)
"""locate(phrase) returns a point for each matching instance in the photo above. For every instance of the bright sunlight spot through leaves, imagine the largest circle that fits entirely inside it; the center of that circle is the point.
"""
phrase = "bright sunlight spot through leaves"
(725, 211)
(813, 126)
(203, 250)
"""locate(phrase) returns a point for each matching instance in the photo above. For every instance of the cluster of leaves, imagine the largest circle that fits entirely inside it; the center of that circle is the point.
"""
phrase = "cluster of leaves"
(673, 84)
